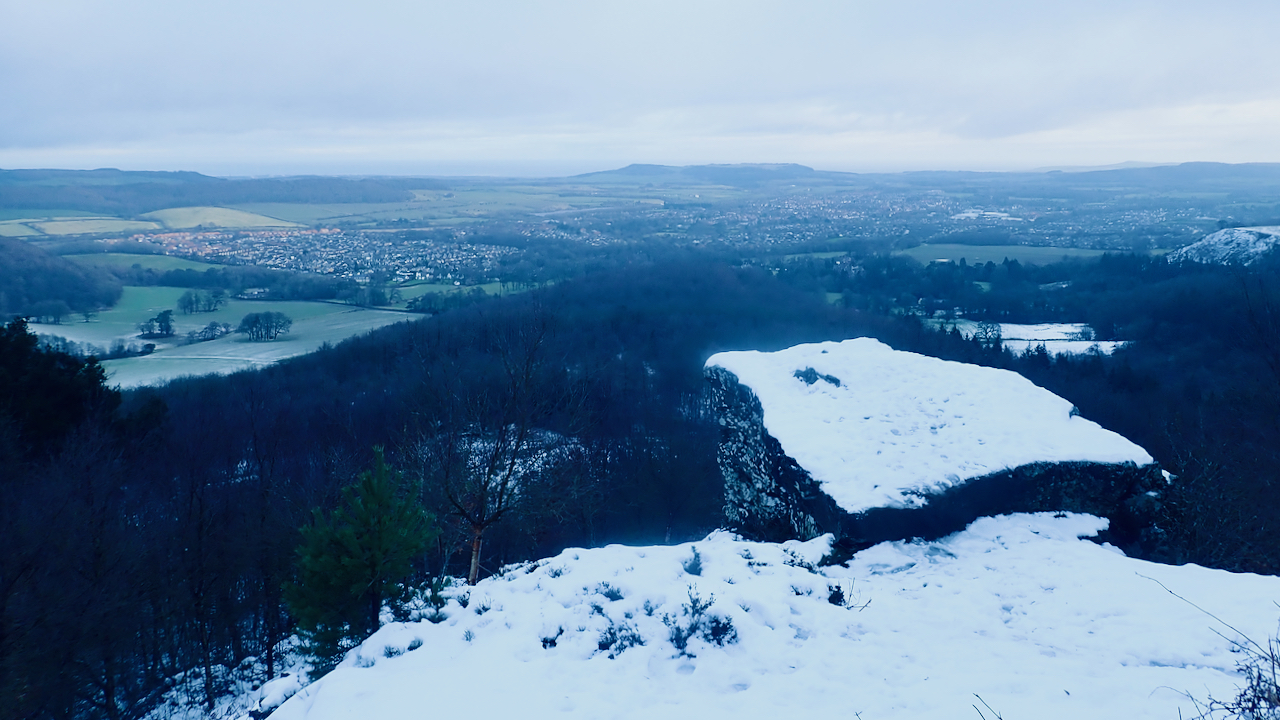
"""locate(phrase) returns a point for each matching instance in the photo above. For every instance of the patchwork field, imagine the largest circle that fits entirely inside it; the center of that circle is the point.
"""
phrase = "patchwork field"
(213, 217)
(458, 205)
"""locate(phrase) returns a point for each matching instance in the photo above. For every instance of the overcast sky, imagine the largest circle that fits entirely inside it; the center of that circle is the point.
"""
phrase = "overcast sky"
(270, 87)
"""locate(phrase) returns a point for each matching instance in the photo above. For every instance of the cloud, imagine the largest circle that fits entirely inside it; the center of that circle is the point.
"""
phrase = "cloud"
(426, 84)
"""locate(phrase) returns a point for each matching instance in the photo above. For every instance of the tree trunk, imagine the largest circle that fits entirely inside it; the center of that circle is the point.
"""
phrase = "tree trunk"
(474, 574)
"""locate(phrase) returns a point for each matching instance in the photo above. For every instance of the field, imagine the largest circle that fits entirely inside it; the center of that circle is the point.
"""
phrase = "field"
(416, 289)
(458, 205)
(981, 254)
(213, 217)
(16, 229)
(314, 323)
(234, 352)
(94, 225)
(159, 263)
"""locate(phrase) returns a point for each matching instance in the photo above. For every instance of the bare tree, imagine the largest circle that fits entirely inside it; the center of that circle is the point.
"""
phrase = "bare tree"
(486, 437)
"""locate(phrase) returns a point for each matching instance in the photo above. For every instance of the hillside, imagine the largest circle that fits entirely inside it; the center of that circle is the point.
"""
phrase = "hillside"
(116, 192)
(1231, 246)
(1015, 610)
(35, 282)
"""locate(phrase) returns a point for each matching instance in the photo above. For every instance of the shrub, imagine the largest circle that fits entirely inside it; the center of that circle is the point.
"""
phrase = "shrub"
(694, 621)
(693, 565)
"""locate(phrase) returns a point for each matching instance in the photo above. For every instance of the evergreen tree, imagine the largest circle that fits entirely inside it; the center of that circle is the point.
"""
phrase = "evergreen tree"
(354, 559)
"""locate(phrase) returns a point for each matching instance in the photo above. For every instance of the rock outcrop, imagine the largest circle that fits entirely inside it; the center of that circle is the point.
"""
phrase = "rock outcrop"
(770, 496)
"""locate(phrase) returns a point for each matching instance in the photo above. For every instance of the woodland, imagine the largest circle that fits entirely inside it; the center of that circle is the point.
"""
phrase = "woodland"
(160, 531)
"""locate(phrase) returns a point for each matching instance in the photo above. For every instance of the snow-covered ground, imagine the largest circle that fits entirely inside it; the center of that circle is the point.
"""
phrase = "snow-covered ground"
(899, 423)
(1057, 338)
(1015, 610)
(1232, 246)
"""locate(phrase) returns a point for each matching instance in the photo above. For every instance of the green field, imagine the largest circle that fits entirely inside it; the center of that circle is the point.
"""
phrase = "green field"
(94, 225)
(159, 263)
(213, 217)
(314, 323)
(16, 229)
(981, 254)
(138, 304)
(235, 352)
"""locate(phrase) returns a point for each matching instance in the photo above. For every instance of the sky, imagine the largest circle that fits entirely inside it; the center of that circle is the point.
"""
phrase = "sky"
(498, 87)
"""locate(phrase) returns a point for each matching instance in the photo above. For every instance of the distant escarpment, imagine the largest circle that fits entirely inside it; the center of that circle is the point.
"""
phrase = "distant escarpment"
(1231, 246)
(873, 444)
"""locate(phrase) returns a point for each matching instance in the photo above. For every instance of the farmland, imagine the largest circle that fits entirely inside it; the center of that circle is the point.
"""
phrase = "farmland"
(93, 226)
(213, 217)
(315, 323)
(159, 263)
(234, 352)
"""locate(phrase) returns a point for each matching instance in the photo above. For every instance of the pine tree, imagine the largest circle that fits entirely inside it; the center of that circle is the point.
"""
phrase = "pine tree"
(354, 559)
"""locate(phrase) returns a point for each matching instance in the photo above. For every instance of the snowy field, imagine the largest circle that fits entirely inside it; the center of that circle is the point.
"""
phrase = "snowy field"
(899, 423)
(235, 352)
(1015, 609)
(1057, 338)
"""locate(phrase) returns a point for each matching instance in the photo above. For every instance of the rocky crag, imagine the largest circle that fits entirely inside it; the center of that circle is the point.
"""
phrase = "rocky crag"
(770, 496)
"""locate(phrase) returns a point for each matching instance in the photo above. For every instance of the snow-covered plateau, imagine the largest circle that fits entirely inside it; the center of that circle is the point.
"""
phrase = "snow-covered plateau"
(1016, 611)
(878, 427)
(1232, 246)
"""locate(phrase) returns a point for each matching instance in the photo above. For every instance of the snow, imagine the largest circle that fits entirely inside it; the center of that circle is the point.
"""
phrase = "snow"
(244, 688)
(1063, 347)
(1057, 338)
(1232, 246)
(899, 424)
(1015, 609)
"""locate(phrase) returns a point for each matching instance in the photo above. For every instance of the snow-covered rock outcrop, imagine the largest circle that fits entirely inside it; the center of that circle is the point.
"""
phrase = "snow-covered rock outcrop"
(1232, 246)
(872, 444)
(1015, 609)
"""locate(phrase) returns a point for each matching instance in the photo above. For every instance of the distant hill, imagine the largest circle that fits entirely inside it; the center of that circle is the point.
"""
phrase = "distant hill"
(1231, 246)
(128, 193)
(746, 175)
(1247, 178)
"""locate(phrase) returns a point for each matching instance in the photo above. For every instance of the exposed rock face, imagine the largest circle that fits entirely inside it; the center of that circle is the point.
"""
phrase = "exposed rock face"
(769, 496)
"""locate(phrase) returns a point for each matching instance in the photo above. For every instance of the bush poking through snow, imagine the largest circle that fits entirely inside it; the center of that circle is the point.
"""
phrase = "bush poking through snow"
(617, 638)
(550, 641)
(610, 592)
(695, 622)
(693, 565)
